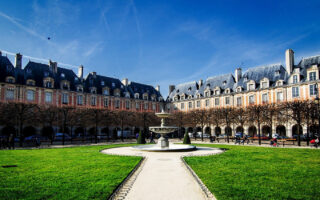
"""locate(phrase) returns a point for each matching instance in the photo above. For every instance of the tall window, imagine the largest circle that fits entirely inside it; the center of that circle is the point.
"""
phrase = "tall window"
(137, 105)
(198, 104)
(182, 106)
(295, 79)
(105, 92)
(48, 97)
(190, 104)
(265, 98)
(30, 95)
(106, 102)
(117, 103)
(207, 103)
(146, 106)
(65, 98)
(206, 94)
(216, 101)
(79, 99)
(312, 76)
(251, 99)
(153, 106)
(48, 84)
(295, 91)
(10, 93)
(279, 96)
(227, 100)
(313, 89)
(239, 101)
(127, 105)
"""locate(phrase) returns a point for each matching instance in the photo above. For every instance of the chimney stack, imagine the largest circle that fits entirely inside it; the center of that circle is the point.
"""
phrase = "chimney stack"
(238, 74)
(289, 60)
(200, 82)
(158, 88)
(18, 61)
(125, 81)
(171, 88)
(53, 66)
(80, 72)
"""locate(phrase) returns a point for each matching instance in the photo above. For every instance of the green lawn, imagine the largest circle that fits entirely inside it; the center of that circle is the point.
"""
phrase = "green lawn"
(260, 173)
(67, 173)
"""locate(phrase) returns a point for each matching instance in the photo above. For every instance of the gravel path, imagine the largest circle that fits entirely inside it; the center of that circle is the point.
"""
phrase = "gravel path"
(162, 176)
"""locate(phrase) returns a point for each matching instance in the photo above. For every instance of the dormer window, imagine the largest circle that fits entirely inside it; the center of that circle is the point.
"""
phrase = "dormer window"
(251, 86)
(65, 85)
(30, 82)
(10, 79)
(145, 97)
(102, 83)
(106, 92)
(48, 84)
(245, 79)
(121, 86)
(116, 92)
(217, 92)
(62, 75)
(238, 89)
(227, 91)
(178, 91)
(127, 95)
(46, 74)
(93, 90)
(153, 97)
(190, 97)
(189, 89)
(279, 83)
(136, 95)
(264, 85)
(312, 76)
(182, 97)
(207, 94)
(295, 79)
(224, 82)
(79, 89)
(277, 73)
(113, 85)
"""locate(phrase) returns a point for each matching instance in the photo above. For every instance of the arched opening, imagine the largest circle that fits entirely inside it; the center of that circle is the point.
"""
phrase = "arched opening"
(190, 130)
(67, 130)
(217, 131)
(79, 132)
(228, 130)
(266, 131)
(295, 130)
(252, 131)
(105, 132)
(199, 130)
(281, 130)
(115, 133)
(47, 132)
(239, 129)
(92, 131)
(7, 130)
(127, 133)
(28, 131)
(313, 130)
(207, 131)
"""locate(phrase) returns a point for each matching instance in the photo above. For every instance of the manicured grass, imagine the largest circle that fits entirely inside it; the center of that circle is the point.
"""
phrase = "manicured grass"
(67, 173)
(260, 173)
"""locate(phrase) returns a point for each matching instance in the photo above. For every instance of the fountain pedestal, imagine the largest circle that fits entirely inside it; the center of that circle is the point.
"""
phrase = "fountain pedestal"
(163, 142)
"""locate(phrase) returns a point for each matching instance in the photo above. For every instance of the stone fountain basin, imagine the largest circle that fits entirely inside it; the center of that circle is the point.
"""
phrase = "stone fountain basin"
(171, 148)
(163, 129)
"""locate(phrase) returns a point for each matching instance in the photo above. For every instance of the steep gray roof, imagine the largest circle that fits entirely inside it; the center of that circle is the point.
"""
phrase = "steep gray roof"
(189, 88)
(305, 63)
(222, 81)
(140, 88)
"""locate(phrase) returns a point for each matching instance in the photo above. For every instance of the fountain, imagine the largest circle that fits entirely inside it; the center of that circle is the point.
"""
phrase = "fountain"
(163, 142)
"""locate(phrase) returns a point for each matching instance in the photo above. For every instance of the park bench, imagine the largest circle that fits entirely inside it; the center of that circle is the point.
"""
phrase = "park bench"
(283, 141)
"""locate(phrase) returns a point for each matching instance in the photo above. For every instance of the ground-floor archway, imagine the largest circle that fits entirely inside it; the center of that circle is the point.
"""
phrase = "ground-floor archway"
(7, 130)
(266, 130)
(281, 130)
(28, 131)
(252, 131)
(207, 130)
(239, 129)
(217, 131)
(48, 132)
(295, 130)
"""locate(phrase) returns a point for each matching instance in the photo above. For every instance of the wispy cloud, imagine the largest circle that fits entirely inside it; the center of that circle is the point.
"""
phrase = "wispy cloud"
(95, 47)
(23, 27)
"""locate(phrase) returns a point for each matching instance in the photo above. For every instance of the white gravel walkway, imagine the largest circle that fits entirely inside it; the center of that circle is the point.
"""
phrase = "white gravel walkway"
(163, 175)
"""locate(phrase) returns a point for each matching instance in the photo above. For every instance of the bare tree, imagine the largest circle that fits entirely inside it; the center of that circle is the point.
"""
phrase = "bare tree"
(179, 119)
(256, 112)
(269, 113)
(201, 118)
(215, 116)
(65, 117)
(227, 119)
(240, 116)
(48, 117)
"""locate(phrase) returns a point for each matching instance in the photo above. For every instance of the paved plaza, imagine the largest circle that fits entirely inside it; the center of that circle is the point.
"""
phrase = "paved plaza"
(162, 175)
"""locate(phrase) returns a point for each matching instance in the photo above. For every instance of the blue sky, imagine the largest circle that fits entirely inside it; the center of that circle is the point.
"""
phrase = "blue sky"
(160, 42)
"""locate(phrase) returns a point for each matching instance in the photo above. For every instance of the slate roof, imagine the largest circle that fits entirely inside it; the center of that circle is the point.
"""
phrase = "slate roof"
(305, 63)
(134, 87)
(38, 71)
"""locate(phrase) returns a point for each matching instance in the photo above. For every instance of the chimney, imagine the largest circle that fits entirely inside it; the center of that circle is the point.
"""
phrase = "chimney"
(80, 72)
(18, 61)
(171, 88)
(289, 60)
(200, 82)
(158, 88)
(238, 74)
(53, 66)
(125, 81)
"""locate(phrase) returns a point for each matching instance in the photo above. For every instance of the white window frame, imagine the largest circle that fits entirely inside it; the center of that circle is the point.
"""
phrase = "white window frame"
(48, 97)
